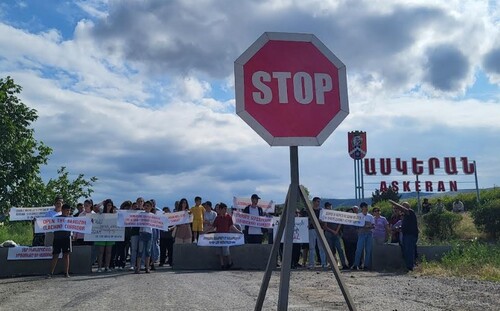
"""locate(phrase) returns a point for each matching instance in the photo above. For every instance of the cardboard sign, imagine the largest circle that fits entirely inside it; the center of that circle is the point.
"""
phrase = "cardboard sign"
(221, 239)
(300, 231)
(105, 228)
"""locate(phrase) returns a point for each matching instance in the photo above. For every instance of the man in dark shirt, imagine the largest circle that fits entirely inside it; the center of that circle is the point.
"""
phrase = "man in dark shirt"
(409, 229)
(62, 243)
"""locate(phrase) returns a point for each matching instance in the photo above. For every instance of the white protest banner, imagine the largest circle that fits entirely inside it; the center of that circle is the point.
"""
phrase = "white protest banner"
(28, 253)
(338, 217)
(244, 219)
(178, 218)
(221, 239)
(28, 213)
(105, 228)
(143, 220)
(300, 231)
(241, 203)
(75, 224)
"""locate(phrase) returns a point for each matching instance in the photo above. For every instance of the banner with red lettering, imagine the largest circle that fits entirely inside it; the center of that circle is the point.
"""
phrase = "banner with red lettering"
(241, 203)
(143, 220)
(338, 217)
(252, 220)
(178, 218)
(75, 224)
(30, 253)
(221, 239)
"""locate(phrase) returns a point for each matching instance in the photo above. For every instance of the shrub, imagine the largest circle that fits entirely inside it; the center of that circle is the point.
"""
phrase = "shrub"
(487, 218)
(20, 232)
(440, 225)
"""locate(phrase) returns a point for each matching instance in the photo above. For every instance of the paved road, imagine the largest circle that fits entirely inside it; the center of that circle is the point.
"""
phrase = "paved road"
(237, 290)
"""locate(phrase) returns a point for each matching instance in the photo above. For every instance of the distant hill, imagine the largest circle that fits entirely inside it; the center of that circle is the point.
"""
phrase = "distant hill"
(337, 203)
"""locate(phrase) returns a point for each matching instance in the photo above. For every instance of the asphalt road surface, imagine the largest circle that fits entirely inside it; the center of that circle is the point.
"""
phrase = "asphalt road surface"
(165, 289)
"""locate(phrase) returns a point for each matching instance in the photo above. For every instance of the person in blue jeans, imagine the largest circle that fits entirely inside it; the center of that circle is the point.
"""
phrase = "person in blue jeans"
(313, 237)
(145, 242)
(409, 230)
(332, 235)
(364, 239)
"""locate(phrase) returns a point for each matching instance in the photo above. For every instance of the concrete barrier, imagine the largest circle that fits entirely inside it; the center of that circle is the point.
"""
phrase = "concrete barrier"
(388, 257)
(79, 264)
(245, 257)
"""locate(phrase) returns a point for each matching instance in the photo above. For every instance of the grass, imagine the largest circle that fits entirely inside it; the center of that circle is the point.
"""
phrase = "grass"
(472, 259)
(20, 232)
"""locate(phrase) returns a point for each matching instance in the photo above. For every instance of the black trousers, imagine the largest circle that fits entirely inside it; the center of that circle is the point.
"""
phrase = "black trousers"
(120, 256)
(253, 238)
(166, 251)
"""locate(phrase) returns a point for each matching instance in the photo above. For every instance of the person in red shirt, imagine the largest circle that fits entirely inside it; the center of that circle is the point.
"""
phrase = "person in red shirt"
(223, 223)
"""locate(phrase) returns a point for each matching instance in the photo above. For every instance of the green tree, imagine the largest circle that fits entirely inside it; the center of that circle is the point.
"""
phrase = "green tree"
(389, 194)
(21, 155)
(70, 190)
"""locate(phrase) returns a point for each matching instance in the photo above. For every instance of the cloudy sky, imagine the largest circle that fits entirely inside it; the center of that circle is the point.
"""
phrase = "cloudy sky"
(141, 93)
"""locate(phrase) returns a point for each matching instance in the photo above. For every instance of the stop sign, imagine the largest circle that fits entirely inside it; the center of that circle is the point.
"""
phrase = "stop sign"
(291, 89)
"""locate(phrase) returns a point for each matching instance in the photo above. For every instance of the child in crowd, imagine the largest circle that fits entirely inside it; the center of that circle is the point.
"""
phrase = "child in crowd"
(197, 211)
(145, 242)
(223, 223)
(62, 243)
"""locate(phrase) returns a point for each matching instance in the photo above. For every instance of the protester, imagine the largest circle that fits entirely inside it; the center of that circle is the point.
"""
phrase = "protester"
(61, 243)
(145, 242)
(409, 229)
(223, 223)
(253, 235)
(134, 234)
(105, 247)
(155, 243)
(381, 228)
(58, 203)
(313, 237)
(197, 211)
(332, 235)
(208, 217)
(166, 244)
(183, 234)
(79, 209)
(120, 257)
(350, 239)
(364, 244)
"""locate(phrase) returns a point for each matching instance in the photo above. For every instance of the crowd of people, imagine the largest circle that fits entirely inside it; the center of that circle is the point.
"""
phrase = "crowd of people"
(145, 247)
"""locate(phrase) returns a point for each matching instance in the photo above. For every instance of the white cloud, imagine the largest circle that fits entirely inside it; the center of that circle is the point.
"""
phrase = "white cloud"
(133, 98)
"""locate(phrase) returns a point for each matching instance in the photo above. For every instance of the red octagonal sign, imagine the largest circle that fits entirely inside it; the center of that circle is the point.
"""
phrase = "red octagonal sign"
(291, 89)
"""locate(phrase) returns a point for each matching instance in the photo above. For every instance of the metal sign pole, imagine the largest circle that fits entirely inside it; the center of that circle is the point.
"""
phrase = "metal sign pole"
(290, 224)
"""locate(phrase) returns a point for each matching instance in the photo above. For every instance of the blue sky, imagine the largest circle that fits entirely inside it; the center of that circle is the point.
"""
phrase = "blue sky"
(141, 93)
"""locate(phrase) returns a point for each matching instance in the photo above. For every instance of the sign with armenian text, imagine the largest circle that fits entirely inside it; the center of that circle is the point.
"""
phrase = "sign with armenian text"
(30, 253)
(28, 213)
(75, 224)
(241, 203)
(178, 218)
(221, 239)
(343, 218)
(300, 231)
(143, 220)
(434, 174)
(244, 219)
(105, 228)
